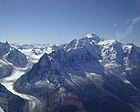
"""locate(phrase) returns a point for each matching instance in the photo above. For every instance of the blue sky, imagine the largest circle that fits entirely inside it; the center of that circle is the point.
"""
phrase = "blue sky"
(59, 21)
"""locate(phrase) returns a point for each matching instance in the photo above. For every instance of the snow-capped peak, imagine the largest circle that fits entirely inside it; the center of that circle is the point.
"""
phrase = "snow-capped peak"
(89, 40)
(93, 36)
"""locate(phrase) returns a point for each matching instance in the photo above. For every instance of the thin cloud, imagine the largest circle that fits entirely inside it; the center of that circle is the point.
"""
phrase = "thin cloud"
(131, 23)
(115, 24)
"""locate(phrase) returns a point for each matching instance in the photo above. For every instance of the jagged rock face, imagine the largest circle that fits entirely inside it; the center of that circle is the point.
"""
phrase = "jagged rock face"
(102, 75)
(4, 48)
(13, 55)
(5, 69)
(10, 102)
(17, 58)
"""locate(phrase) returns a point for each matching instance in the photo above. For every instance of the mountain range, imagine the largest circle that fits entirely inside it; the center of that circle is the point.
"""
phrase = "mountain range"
(90, 74)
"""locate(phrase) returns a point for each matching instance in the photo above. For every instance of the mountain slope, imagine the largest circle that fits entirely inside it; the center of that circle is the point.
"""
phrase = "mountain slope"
(5, 69)
(13, 64)
(10, 102)
(17, 58)
(86, 75)
(10, 57)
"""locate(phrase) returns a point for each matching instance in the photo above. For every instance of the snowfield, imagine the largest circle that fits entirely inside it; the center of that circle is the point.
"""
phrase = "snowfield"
(1, 110)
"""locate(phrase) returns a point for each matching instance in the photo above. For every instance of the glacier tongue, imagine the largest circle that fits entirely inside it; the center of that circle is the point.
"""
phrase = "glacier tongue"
(8, 82)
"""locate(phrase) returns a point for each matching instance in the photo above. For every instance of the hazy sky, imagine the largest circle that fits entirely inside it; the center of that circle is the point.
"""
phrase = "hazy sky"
(59, 21)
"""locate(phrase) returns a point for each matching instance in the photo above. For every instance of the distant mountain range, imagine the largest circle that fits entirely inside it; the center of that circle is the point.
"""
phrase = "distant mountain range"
(90, 74)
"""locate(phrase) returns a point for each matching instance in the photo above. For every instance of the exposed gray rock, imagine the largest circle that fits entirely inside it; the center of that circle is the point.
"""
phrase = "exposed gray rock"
(17, 58)
(4, 48)
(10, 102)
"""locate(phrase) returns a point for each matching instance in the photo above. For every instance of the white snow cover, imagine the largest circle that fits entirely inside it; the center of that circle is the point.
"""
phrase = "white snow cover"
(31, 56)
(1, 110)
(2, 62)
